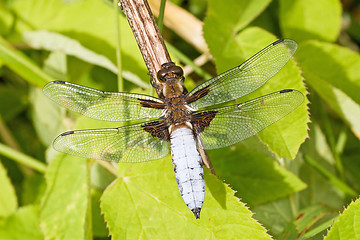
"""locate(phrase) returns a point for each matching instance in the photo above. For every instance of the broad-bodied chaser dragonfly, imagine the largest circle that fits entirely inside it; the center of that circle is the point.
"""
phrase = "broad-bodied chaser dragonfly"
(179, 117)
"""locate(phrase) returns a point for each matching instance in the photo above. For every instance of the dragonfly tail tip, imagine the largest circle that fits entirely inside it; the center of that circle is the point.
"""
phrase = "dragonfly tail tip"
(196, 212)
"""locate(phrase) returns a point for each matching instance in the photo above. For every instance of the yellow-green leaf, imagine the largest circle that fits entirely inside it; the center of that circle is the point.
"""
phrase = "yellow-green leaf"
(8, 200)
(144, 202)
(306, 19)
(334, 73)
(23, 224)
(347, 226)
(63, 212)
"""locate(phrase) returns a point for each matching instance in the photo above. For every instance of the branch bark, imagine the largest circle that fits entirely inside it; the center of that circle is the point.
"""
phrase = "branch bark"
(147, 35)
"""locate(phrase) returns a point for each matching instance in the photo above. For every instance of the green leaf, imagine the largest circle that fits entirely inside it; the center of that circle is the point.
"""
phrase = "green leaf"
(33, 189)
(144, 202)
(98, 222)
(339, 66)
(8, 199)
(46, 116)
(221, 26)
(76, 20)
(285, 221)
(52, 41)
(352, 165)
(56, 64)
(22, 65)
(333, 72)
(250, 172)
(63, 212)
(284, 137)
(15, 102)
(6, 20)
(24, 224)
(333, 179)
(100, 177)
(347, 226)
(319, 190)
(233, 16)
(318, 157)
(275, 215)
(306, 19)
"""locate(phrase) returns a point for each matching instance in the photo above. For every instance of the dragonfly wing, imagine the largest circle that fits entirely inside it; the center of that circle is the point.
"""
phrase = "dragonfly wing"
(243, 79)
(124, 144)
(231, 124)
(109, 106)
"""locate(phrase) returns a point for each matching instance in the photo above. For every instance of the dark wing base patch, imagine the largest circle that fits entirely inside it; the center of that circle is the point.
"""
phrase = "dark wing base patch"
(197, 95)
(151, 104)
(159, 129)
(202, 120)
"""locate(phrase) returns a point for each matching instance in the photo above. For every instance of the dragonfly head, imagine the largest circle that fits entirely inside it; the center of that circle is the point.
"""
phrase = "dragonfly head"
(172, 79)
(170, 71)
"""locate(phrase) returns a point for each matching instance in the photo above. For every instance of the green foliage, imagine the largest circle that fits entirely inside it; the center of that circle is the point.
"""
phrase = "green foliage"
(8, 201)
(259, 173)
(295, 176)
(156, 211)
(310, 20)
(339, 87)
(65, 202)
(23, 224)
(347, 225)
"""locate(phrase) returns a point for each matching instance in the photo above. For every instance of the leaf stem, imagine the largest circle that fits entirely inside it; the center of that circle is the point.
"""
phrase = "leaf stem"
(22, 158)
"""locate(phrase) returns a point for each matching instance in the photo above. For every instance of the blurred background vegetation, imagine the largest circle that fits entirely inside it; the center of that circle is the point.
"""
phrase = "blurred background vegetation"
(296, 190)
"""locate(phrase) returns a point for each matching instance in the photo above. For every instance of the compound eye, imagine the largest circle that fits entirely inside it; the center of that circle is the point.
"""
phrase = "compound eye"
(161, 74)
(169, 70)
(177, 70)
(167, 65)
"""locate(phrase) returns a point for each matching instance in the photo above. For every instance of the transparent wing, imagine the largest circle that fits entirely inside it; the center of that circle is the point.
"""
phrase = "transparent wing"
(109, 106)
(235, 123)
(124, 144)
(246, 78)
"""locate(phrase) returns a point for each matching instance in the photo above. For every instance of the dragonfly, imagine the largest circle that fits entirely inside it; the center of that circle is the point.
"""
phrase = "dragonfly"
(179, 122)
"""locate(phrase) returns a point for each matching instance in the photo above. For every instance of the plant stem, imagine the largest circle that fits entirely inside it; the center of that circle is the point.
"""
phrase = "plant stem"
(161, 15)
(118, 47)
(22, 158)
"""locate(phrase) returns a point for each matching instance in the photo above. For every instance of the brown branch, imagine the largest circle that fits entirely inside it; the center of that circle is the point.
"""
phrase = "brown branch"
(151, 45)
(147, 36)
